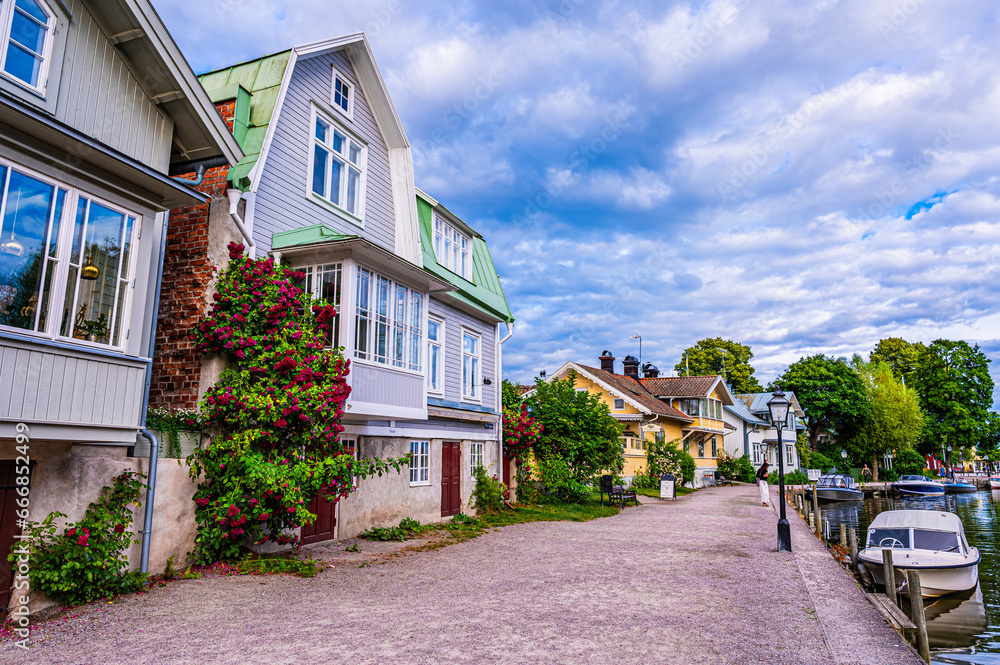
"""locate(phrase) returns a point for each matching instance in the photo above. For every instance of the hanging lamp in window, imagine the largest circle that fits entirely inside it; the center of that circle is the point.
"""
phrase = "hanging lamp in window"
(89, 271)
(12, 246)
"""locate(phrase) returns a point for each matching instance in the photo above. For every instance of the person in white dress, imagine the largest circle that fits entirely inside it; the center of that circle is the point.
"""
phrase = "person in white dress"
(765, 495)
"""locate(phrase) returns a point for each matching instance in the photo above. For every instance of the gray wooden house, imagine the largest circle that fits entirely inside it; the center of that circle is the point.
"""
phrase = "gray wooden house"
(96, 103)
(327, 186)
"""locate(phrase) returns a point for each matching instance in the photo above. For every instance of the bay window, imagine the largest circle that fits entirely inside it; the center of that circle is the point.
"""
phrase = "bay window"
(338, 166)
(325, 282)
(471, 349)
(26, 29)
(388, 322)
(66, 260)
(452, 248)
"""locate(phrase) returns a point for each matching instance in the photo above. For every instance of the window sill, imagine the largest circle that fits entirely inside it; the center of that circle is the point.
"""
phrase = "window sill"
(426, 483)
(82, 346)
(337, 210)
(37, 92)
(472, 400)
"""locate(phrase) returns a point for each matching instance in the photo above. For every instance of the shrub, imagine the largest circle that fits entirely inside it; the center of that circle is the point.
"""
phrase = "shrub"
(87, 560)
(795, 477)
(488, 494)
(737, 468)
(644, 480)
(667, 457)
(408, 528)
(888, 475)
(558, 483)
(909, 461)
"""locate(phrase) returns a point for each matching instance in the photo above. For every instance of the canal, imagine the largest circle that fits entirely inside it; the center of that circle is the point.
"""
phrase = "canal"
(961, 628)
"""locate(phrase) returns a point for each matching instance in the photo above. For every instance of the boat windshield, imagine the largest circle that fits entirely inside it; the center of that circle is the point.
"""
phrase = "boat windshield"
(920, 478)
(944, 541)
(889, 538)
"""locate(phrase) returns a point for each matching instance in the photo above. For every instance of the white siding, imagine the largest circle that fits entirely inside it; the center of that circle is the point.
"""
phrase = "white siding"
(382, 385)
(454, 321)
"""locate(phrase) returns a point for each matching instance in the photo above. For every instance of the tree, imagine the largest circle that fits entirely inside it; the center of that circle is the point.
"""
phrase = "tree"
(576, 427)
(720, 356)
(989, 439)
(900, 355)
(895, 420)
(510, 396)
(831, 394)
(909, 461)
(956, 391)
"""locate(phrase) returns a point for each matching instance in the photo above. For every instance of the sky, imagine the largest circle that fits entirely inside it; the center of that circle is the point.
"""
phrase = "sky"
(802, 177)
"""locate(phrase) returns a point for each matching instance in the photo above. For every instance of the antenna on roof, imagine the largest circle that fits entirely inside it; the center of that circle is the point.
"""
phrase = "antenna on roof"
(638, 337)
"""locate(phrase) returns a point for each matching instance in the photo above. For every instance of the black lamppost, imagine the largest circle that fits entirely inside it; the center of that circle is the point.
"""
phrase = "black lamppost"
(778, 406)
(947, 460)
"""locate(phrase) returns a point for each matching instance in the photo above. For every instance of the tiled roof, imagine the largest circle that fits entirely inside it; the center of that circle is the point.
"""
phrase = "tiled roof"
(632, 389)
(680, 386)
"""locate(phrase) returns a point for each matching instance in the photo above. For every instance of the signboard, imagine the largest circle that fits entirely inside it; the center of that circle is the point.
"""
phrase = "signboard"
(667, 487)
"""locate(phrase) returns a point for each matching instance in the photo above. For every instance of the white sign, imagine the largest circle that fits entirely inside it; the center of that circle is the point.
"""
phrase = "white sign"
(666, 489)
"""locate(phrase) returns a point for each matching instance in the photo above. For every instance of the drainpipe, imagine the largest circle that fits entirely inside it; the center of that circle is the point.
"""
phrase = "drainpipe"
(234, 201)
(499, 395)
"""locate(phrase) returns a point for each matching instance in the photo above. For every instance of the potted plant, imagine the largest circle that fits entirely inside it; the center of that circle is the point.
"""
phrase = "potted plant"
(97, 329)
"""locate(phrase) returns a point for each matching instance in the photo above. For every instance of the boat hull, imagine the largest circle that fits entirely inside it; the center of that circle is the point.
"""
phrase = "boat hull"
(838, 494)
(961, 489)
(934, 581)
(918, 489)
(995, 483)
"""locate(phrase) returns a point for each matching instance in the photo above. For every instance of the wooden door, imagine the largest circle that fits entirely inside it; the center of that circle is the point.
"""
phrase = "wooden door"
(8, 527)
(507, 475)
(326, 519)
(451, 478)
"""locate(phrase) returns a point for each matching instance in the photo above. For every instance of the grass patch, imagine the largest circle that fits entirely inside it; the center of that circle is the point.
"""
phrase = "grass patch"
(655, 493)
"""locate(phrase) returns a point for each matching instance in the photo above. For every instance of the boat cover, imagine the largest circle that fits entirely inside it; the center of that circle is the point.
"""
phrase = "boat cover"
(918, 519)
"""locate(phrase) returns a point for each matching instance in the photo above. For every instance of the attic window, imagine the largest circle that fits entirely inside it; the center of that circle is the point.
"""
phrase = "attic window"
(26, 32)
(451, 248)
(342, 94)
(619, 404)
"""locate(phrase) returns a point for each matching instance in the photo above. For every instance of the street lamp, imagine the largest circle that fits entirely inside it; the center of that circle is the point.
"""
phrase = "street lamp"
(843, 456)
(778, 406)
(947, 460)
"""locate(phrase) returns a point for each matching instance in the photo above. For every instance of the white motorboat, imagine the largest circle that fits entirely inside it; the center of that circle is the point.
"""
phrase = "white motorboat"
(917, 486)
(995, 482)
(931, 542)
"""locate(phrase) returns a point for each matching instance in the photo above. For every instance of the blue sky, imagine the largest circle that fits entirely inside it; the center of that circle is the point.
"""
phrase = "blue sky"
(801, 177)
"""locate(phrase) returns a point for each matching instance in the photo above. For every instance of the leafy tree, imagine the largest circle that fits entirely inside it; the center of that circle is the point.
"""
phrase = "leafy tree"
(576, 427)
(895, 420)
(901, 356)
(956, 391)
(724, 357)
(831, 394)
(510, 396)
(909, 461)
(989, 438)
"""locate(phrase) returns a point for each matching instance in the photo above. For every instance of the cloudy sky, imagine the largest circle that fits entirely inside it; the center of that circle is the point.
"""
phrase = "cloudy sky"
(800, 177)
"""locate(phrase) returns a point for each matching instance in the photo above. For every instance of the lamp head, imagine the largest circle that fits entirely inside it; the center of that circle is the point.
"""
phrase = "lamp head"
(778, 406)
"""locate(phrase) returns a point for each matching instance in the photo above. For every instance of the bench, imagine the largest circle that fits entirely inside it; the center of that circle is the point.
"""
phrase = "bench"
(617, 494)
(721, 480)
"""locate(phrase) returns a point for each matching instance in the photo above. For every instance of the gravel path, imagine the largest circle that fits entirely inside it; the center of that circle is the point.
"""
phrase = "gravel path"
(691, 581)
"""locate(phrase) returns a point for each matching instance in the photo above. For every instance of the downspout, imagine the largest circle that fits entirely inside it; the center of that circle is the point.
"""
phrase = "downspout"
(234, 202)
(499, 395)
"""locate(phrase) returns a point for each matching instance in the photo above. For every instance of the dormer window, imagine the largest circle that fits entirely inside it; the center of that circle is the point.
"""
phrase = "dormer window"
(342, 94)
(338, 167)
(451, 248)
(26, 29)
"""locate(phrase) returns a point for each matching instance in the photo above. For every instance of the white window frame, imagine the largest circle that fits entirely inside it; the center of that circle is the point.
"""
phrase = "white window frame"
(441, 344)
(452, 247)
(420, 463)
(349, 111)
(7, 10)
(411, 327)
(477, 380)
(615, 401)
(477, 451)
(313, 286)
(57, 290)
(362, 164)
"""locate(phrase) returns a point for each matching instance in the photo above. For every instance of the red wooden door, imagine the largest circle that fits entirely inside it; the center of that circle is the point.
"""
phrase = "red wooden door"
(507, 475)
(451, 478)
(8, 527)
(326, 519)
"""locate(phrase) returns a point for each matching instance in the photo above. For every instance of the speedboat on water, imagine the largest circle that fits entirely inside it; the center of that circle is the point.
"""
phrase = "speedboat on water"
(960, 487)
(995, 482)
(918, 486)
(836, 487)
(928, 541)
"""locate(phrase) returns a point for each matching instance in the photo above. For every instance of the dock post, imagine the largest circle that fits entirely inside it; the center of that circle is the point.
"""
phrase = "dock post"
(889, 576)
(815, 498)
(854, 549)
(819, 523)
(917, 612)
(843, 534)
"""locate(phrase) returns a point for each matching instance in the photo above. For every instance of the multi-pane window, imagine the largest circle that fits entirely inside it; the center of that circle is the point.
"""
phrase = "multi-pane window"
(701, 447)
(420, 463)
(388, 323)
(435, 356)
(619, 404)
(452, 248)
(471, 350)
(715, 447)
(476, 455)
(26, 27)
(338, 164)
(325, 282)
(342, 94)
(65, 261)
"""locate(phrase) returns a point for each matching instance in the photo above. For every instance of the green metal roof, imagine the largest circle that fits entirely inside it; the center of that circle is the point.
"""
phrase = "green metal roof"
(484, 292)
(307, 235)
(262, 79)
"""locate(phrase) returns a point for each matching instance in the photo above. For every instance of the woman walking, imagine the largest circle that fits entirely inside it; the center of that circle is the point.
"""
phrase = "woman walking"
(762, 483)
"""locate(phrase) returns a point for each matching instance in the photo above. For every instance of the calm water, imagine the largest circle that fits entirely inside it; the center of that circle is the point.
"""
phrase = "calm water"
(962, 628)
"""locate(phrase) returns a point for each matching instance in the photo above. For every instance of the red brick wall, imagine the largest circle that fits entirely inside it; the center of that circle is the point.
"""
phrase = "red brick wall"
(186, 277)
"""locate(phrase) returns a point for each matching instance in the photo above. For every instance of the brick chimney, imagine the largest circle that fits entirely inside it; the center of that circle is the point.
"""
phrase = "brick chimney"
(631, 366)
(650, 371)
(608, 362)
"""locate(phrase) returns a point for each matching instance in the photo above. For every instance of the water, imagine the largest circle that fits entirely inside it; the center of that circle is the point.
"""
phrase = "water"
(961, 628)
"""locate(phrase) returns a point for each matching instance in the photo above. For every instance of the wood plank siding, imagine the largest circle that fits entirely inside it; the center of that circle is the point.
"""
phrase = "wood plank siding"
(281, 202)
(382, 385)
(454, 320)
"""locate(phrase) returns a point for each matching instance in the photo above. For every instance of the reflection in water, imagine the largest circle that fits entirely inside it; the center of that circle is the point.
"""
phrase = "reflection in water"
(971, 620)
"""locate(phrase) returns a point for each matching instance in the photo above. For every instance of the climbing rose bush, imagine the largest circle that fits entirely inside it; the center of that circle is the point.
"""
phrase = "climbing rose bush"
(274, 413)
(521, 432)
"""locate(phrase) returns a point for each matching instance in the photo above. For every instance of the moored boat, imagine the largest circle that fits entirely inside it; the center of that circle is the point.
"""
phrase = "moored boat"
(960, 487)
(836, 487)
(931, 542)
(918, 486)
(995, 482)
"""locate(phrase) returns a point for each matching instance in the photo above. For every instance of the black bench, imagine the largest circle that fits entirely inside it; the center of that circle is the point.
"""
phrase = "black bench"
(617, 494)
(721, 480)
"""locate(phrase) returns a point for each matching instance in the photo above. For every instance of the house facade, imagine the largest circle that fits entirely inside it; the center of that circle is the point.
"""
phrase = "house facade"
(767, 447)
(327, 187)
(745, 432)
(96, 105)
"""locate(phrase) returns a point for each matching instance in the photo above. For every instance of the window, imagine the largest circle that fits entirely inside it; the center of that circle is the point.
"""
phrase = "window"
(715, 447)
(435, 356)
(420, 463)
(619, 404)
(66, 253)
(350, 448)
(477, 455)
(756, 454)
(451, 248)
(788, 454)
(338, 165)
(701, 447)
(389, 322)
(470, 366)
(342, 95)
(26, 27)
(325, 282)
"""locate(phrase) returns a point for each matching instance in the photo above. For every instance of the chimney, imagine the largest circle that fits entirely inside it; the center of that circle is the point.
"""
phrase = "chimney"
(650, 371)
(608, 362)
(631, 366)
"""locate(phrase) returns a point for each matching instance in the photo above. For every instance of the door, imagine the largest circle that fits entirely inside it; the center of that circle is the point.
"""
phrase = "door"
(8, 526)
(507, 475)
(451, 478)
(326, 519)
